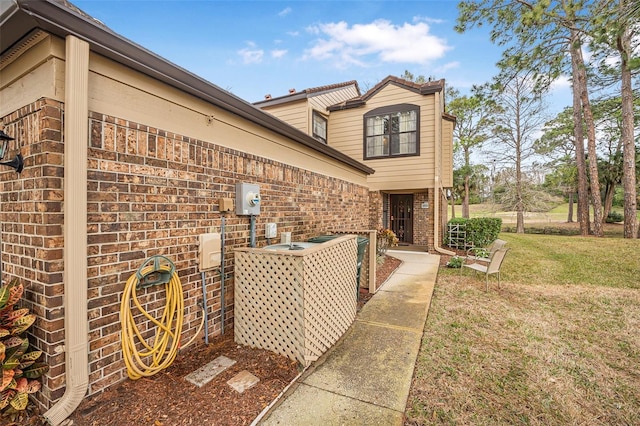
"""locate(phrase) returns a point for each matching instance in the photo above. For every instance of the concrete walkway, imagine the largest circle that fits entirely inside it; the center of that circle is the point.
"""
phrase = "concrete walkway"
(365, 378)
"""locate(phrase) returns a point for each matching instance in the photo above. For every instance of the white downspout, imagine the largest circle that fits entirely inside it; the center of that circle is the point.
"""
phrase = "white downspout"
(436, 178)
(76, 128)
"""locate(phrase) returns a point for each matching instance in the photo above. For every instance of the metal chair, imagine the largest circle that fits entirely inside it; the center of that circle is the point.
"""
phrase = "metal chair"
(493, 267)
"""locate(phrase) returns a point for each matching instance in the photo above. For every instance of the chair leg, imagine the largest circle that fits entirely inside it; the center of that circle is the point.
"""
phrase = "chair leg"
(486, 279)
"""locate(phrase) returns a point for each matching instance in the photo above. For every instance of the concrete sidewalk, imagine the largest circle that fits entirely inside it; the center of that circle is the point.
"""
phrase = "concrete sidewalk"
(365, 378)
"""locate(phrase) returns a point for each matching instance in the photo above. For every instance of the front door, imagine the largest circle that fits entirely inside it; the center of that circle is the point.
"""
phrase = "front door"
(402, 217)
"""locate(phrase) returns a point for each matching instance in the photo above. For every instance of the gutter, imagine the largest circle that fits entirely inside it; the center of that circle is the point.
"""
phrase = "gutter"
(76, 129)
(436, 179)
(62, 19)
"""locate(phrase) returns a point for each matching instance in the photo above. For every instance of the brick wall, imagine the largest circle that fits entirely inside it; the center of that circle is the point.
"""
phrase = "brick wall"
(375, 209)
(32, 228)
(149, 192)
(424, 218)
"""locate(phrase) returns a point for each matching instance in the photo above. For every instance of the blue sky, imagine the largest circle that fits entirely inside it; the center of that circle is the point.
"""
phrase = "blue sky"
(254, 48)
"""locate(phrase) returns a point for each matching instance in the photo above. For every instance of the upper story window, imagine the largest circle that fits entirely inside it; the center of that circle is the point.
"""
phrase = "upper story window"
(392, 131)
(319, 127)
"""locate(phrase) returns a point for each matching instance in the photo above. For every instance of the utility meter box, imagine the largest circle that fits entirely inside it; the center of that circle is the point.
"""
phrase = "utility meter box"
(247, 199)
(209, 251)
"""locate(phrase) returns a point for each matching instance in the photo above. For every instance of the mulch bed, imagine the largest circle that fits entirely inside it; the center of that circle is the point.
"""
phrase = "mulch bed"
(167, 399)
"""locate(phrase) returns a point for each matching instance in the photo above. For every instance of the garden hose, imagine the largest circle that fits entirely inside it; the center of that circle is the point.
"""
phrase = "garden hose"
(166, 343)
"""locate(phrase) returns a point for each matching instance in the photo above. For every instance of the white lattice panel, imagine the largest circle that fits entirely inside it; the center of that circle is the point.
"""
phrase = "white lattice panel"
(296, 304)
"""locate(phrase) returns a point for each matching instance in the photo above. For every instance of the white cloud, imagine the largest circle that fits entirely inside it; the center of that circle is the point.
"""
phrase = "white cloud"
(561, 83)
(251, 54)
(446, 67)
(378, 41)
(428, 20)
(278, 53)
(285, 11)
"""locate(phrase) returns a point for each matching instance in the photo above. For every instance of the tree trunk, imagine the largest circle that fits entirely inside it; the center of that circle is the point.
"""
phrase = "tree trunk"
(580, 82)
(570, 212)
(519, 203)
(609, 190)
(628, 145)
(578, 132)
(465, 199)
(453, 205)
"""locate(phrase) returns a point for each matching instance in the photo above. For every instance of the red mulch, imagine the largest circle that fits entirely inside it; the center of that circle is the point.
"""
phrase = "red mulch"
(167, 399)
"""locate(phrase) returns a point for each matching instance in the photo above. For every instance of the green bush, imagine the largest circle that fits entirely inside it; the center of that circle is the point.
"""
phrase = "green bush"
(480, 231)
(455, 262)
(614, 217)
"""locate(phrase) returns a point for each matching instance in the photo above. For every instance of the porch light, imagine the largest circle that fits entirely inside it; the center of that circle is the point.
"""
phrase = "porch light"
(17, 163)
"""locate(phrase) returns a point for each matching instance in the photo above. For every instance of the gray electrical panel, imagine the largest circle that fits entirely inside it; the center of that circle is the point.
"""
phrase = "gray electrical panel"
(247, 199)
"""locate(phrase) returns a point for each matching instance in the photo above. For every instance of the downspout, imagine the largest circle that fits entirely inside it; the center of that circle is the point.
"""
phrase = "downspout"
(76, 128)
(436, 178)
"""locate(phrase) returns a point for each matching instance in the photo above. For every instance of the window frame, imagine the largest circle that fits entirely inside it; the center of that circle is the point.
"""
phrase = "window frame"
(316, 115)
(387, 111)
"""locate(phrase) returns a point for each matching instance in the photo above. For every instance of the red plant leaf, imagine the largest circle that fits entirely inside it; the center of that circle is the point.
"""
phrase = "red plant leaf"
(15, 347)
(16, 313)
(7, 377)
(33, 386)
(21, 324)
(5, 397)
(21, 384)
(15, 294)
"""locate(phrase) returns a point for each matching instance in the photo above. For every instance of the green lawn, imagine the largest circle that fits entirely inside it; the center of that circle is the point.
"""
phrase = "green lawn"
(557, 214)
(557, 344)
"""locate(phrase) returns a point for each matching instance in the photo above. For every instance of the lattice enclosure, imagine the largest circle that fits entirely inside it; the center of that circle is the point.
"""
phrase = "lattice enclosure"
(295, 303)
(368, 268)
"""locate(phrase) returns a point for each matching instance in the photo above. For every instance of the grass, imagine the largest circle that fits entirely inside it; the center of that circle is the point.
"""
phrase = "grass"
(556, 215)
(556, 344)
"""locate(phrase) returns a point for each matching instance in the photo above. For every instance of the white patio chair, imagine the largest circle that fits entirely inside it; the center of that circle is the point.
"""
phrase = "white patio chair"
(493, 267)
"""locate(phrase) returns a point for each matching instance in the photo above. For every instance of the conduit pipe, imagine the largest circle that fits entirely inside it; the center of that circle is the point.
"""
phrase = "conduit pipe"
(222, 274)
(205, 316)
(436, 179)
(76, 129)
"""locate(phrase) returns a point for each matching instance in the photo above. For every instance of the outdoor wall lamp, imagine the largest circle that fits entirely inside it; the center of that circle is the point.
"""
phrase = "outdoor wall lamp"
(17, 162)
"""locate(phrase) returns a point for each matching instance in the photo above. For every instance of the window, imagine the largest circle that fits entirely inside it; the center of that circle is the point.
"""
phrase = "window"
(391, 131)
(319, 127)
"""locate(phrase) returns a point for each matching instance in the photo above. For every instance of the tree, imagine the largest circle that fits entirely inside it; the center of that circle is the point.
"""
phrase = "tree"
(407, 75)
(541, 36)
(557, 143)
(515, 125)
(473, 121)
(615, 25)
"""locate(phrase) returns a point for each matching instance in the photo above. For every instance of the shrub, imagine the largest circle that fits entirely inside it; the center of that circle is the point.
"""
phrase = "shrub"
(455, 262)
(479, 231)
(17, 361)
(614, 217)
(385, 238)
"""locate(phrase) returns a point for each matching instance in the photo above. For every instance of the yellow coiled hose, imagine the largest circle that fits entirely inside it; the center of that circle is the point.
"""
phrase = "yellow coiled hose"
(162, 353)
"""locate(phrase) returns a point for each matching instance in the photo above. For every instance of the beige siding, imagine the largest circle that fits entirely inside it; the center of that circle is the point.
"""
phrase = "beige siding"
(299, 114)
(121, 92)
(39, 72)
(296, 114)
(447, 153)
(405, 173)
